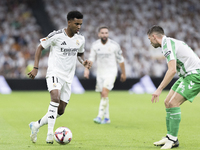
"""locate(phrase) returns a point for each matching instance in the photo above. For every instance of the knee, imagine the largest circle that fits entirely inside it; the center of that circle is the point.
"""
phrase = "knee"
(171, 104)
(166, 104)
(104, 94)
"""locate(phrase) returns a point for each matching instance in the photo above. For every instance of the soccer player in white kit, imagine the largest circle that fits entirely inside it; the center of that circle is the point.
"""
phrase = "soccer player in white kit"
(108, 53)
(181, 59)
(66, 45)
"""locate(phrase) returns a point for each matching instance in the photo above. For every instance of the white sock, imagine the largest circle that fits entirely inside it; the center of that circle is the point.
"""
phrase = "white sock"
(43, 121)
(172, 137)
(51, 116)
(102, 107)
(106, 114)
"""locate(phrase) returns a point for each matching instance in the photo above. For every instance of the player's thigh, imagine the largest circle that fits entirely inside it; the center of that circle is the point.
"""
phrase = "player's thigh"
(172, 91)
(54, 87)
(169, 96)
(52, 83)
(109, 82)
(189, 87)
(176, 100)
(65, 92)
(99, 84)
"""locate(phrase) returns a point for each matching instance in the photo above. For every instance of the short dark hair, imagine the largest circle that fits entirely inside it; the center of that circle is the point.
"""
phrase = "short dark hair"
(74, 14)
(103, 27)
(157, 29)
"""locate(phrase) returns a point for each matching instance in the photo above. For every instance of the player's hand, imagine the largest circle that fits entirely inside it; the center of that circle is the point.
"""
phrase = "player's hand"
(33, 73)
(87, 64)
(155, 96)
(86, 73)
(123, 77)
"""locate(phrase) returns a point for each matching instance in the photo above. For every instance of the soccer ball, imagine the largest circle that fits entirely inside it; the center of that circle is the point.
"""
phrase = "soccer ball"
(63, 135)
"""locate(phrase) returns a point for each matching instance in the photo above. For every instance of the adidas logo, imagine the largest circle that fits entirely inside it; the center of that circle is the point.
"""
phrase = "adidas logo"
(63, 43)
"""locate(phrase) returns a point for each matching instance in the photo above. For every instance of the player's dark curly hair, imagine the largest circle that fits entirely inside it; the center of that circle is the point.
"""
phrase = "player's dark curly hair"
(74, 14)
(157, 29)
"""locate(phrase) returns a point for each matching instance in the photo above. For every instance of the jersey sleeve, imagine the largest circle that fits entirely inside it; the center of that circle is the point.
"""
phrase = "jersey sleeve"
(48, 41)
(82, 48)
(169, 50)
(118, 54)
(92, 53)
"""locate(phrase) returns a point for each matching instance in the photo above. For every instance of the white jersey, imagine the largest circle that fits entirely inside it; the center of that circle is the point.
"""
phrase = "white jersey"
(107, 57)
(63, 53)
(187, 61)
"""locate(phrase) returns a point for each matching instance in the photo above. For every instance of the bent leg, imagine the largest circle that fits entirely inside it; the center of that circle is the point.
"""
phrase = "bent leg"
(52, 110)
(169, 96)
(175, 114)
(61, 108)
(103, 102)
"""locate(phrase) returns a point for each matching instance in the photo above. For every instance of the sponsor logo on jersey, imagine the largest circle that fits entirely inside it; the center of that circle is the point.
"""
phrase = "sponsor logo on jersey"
(104, 55)
(63, 43)
(167, 53)
(69, 51)
(77, 42)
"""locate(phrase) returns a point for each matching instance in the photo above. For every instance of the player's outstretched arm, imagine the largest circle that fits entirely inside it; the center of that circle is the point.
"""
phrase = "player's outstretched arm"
(123, 74)
(34, 72)
(167, 79)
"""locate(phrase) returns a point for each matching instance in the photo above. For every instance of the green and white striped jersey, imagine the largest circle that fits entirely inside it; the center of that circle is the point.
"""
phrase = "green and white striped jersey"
(187, 62)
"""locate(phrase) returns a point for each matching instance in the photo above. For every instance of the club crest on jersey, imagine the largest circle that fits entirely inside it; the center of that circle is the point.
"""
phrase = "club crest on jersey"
(77, 42)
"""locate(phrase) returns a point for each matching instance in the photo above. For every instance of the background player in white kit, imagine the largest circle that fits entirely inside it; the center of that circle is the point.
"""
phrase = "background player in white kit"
(108, 53)
(66, 45)
(181, 59)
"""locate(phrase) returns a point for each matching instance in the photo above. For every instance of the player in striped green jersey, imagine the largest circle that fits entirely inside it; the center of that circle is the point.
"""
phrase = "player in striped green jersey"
(181, 60)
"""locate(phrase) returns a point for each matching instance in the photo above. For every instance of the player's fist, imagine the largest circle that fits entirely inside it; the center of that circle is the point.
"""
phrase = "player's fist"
(87, 64)
(32, 73)
(123, 77)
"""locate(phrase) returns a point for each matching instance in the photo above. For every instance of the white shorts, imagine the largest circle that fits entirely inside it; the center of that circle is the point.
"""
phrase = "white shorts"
(54, 82)
(105, 82)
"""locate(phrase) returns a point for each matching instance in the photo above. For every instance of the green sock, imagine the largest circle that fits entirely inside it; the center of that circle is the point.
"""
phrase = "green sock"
(174, 121)
(167, 120)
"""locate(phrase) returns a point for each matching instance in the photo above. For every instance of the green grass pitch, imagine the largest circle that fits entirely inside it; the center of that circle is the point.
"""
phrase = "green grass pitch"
(135, 122)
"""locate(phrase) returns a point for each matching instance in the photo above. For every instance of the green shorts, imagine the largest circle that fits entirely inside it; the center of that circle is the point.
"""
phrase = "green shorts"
(188, 86)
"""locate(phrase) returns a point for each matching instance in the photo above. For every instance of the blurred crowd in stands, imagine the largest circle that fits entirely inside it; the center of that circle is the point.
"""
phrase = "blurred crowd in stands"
(128, 22)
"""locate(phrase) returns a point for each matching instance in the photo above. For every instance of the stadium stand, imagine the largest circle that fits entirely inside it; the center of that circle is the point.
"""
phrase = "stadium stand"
(127, 20)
